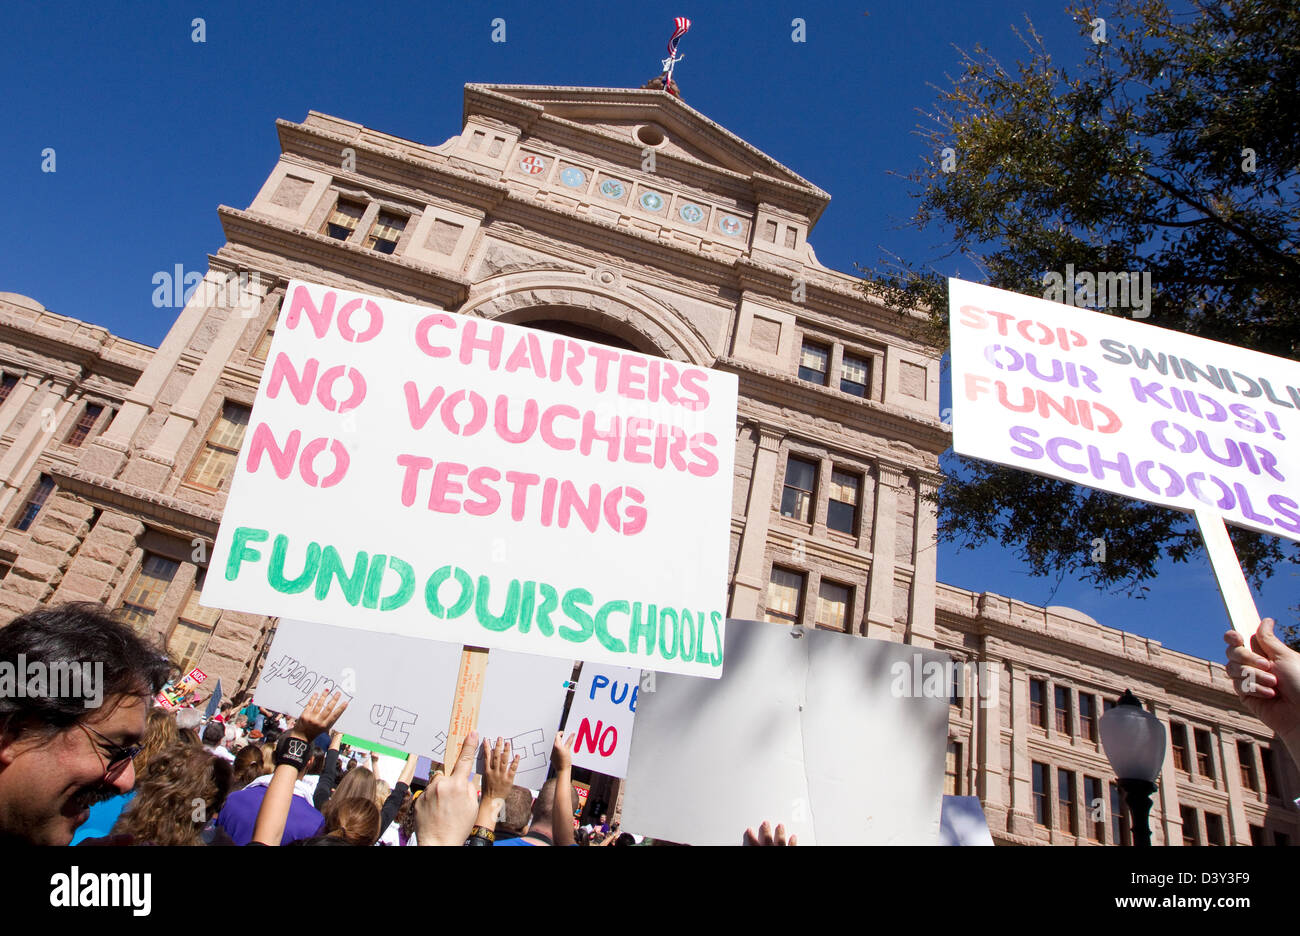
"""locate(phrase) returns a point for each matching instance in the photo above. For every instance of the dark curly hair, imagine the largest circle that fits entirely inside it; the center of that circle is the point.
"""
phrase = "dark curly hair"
(80, 632)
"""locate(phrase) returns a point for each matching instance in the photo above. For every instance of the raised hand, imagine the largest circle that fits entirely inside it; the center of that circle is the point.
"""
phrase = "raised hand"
(764, 836)
(1267, 676)
(444, 815)
(322, 711)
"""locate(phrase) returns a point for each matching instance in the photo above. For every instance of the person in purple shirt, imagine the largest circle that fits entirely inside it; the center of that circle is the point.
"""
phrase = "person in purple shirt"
(239, 814)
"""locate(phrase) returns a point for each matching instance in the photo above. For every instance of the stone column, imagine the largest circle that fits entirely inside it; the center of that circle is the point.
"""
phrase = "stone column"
(17, 399)
(1238, 830)
(924, 563)
(15, 463)
(1171, 815)
(103, 557)
(1021, 820)
(990, 782)
(880, 610)
(749, 583)
(107, 452)
(155, 466)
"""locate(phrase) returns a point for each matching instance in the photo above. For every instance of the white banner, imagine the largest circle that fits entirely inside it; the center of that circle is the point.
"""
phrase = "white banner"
(1125, 407)
(416, 472)
(601, 715)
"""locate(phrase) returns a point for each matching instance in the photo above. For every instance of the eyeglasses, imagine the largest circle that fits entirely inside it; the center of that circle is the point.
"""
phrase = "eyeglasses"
(118, 756)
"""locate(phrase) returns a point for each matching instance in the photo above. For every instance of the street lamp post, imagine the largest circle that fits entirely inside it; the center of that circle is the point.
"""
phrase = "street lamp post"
(1134, 742)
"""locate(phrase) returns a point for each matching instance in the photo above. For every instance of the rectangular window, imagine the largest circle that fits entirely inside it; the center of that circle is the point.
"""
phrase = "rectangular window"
(343, 219)
(44, 488)
(216, 463)
(1118, 818)
(1065, 799)
(814, 362)
(784, 596)
(189, 638)
(147, 589)
(1213, 829)
(1257, 836)
(1094, 801)
(1178, 739)
(1042, 783)
(833, 603)
(1191, 834)
(385, 232)
(855, 376)
(952, 770)
(842, 510)
(1246, 756)
(87, 422)
(1037, 711)
(957, 690)
(263, 347)
(1204, 756)
(1281, 839)
(1266, 766)
(7, 383)
(1107, 705)
(797, 498)
(1062, 708)
(1087, 716)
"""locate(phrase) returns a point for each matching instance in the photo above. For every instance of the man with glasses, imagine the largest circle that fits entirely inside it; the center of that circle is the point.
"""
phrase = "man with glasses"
(61, 754)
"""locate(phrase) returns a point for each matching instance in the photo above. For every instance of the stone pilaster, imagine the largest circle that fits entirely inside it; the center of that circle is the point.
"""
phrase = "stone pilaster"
(749, 585)
(880, 608)
(1021, 820)
(924, 562)
(44, 562)
(1238, 830)
(103, 557)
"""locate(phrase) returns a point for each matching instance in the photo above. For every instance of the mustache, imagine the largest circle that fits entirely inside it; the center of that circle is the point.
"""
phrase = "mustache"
(89, 796)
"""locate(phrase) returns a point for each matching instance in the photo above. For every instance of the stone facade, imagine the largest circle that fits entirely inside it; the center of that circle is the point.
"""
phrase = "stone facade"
(619, 215)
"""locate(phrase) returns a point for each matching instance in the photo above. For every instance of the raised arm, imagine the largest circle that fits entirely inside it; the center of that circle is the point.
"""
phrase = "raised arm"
(329, 774)
(398, 794)
(321, 713)
(562, 811)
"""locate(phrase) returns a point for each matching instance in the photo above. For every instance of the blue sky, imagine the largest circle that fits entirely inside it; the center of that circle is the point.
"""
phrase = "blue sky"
(152, 131)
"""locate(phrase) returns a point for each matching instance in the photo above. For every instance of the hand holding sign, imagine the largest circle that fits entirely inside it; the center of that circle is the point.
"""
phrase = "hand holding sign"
(1267, 675)
(444, 815)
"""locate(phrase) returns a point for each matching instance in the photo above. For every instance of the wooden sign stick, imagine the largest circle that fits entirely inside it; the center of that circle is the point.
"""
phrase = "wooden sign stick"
(1236, 594)
(464, 708)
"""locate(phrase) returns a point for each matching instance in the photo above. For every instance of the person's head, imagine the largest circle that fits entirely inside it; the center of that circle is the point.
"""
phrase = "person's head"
(241, 721)
(268, 758)
(188, 737)
(225, 709)
(160, 735)
(354, 820)
(358, 784)
(515, 812)
(214, 734)
(185, 788)
(248, 766)
(382, 789)
(188, 719)
(542, 808)
(68, 742)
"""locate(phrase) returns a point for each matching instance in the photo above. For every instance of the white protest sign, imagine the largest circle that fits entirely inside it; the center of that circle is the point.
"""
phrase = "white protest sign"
(822, 732)
(601, 715)
(400, 689)
(1133, 409)
(417, 472)
(1129, 408)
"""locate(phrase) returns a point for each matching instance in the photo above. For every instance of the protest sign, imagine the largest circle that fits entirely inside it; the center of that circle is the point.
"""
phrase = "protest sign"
(174, 694)
(601, 715)
(767, 741)
(1130, 408)
(417, 472)
(400, 690)
(962, 822)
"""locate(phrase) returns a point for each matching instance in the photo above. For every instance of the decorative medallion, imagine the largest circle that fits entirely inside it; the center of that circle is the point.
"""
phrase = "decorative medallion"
(729, 225)
(573, 177)
(691, 214)
(532, 165)
(651, 201)
(612, 188)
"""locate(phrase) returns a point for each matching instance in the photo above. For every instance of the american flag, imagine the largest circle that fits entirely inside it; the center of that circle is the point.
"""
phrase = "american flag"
(680, 27)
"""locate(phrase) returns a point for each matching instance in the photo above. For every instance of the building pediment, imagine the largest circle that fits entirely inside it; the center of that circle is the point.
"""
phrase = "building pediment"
(640, 118)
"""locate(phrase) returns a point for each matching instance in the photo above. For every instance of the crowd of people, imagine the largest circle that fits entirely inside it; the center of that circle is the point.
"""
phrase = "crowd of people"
(127, 772)
(124, 772)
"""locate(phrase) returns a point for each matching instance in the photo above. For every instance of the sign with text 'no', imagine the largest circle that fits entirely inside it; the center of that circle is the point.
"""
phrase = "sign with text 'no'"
(1129, 408)
(417, 472)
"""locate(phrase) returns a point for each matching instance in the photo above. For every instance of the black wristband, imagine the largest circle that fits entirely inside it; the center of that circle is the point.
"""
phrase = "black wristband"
(292, 751)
